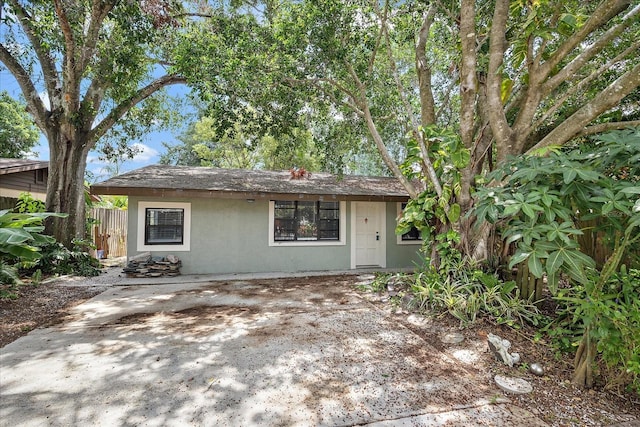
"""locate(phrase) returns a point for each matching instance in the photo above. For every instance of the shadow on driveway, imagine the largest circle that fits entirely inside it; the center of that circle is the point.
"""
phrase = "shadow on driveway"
(294, 351)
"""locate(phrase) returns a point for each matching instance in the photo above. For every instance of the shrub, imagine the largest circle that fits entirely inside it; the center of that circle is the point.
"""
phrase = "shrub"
(613, 314)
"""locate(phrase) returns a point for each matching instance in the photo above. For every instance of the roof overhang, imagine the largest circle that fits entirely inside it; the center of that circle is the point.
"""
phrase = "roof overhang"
(164, 181)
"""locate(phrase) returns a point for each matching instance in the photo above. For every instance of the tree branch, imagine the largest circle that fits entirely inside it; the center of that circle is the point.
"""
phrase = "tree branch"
(99, 12)
(497, 44)
(604, 12)
(47, 64)
(69, 72)
(584, 82)
(34, 103)
(605, 127)
(468, 79)
(383, 22)
(601, 103)
(427, 103)
(118, 112)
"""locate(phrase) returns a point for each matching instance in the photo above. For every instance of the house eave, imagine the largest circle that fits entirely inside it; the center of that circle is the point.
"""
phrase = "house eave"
(246, 195)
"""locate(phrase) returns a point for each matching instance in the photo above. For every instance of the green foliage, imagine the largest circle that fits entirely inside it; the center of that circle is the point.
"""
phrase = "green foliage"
(111, 202)
(20, 238)
(449, 158)
(57, 259)
(542, 202)
(20, 235)
(612, 313)
(9, 278)
(27, 204)
(18, 133)
(462, 289)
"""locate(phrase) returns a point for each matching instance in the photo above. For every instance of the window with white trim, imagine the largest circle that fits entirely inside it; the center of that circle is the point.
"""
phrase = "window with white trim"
(164, 226)
(412, 236)
(302, 222)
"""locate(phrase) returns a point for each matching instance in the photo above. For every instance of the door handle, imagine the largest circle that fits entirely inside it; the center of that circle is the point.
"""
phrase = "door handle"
(377, 235)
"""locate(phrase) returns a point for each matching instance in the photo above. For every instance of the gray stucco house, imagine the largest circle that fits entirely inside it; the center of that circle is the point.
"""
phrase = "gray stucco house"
(237, 221)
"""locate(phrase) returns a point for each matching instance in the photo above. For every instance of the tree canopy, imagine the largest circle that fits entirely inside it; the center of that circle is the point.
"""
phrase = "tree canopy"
(18, 133)
(97, 64)
(443, 90)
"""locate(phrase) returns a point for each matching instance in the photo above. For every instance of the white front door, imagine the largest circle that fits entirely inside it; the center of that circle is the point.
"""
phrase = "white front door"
(368, 231)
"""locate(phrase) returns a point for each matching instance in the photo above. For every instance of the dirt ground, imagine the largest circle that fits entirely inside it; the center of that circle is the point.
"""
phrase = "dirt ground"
(554, 399)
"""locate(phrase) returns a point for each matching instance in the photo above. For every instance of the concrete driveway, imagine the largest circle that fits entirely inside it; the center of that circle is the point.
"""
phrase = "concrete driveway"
(239, 353)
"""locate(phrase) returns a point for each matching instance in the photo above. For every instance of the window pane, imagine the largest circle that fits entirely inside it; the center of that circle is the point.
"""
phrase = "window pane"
(307, 216)
(164, 226)
(305, 221)
(285, 209)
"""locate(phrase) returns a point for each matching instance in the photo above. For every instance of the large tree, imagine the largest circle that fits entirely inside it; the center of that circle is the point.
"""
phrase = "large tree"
(448, 89)
(18, 133)
(84, 66)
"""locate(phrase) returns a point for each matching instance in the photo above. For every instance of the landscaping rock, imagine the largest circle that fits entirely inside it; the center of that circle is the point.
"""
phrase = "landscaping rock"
(513, 385)
(144, 265)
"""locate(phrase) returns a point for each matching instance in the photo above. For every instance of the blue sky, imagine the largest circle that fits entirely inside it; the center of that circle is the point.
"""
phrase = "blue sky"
(150, 146)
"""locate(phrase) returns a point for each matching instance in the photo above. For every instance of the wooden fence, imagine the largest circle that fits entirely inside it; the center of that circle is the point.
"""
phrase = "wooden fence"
(110, 232)
(7, 202)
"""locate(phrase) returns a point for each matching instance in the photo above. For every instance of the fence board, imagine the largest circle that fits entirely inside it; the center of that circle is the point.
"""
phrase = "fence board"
(112, 227)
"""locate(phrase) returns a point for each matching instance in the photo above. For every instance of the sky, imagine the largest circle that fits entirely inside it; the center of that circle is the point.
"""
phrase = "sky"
(150, 147)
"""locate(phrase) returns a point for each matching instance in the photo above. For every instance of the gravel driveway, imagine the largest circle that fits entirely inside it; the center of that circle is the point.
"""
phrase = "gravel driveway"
(273, 352)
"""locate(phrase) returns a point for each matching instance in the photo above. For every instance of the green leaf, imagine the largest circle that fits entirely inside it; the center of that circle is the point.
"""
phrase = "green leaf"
(518, 257)
(454, 212)
(511, 210)
(535, 266)
(554, 262)
(461, 158)
(569, 175)
(13, 236)
(552, 283)
(631, 190)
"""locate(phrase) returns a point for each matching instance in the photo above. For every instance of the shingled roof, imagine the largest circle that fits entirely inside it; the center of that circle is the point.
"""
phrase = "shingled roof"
(8, 166)
(187, 181)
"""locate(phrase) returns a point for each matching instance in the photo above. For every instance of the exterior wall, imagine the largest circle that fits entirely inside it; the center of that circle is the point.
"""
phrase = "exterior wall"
(232, 236)
(34, 182)
(399, 255)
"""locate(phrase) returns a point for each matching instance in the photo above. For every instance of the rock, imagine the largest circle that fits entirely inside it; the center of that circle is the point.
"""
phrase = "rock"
(452, 338)
(144, 265)
(143, 257)
(500, 350)
(513, 385)
(536, 369)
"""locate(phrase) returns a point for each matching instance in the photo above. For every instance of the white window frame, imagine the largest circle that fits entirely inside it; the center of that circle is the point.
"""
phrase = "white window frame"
(300, 243)
(186, 238)
(399, 240)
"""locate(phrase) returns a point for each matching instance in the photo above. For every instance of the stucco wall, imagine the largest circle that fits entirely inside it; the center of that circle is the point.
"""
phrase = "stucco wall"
(231, 236)
(399, 255)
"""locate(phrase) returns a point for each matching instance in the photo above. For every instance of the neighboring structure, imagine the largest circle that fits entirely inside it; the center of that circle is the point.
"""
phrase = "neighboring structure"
(21, 175)
(234, 221)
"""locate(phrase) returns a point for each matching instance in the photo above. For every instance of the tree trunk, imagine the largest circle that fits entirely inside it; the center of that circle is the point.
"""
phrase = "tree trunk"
(67, 162)
(583, 362)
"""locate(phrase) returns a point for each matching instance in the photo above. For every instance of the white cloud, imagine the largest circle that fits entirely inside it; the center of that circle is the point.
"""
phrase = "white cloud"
(145, 154)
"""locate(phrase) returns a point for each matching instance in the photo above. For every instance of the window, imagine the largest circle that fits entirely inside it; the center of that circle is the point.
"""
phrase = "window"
(294, 220)
(297, 222)
(413, 236)
(164, 226)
